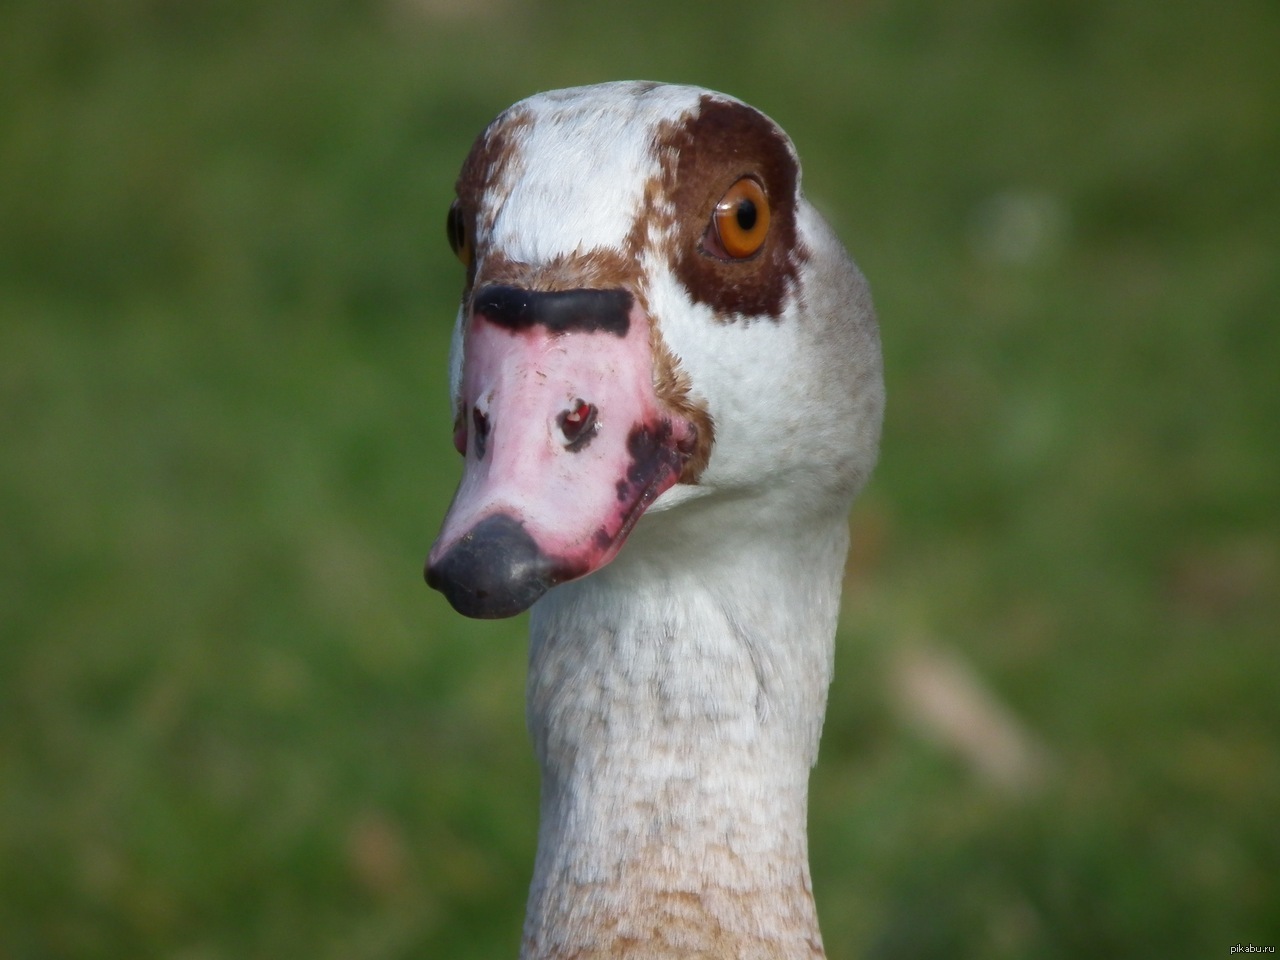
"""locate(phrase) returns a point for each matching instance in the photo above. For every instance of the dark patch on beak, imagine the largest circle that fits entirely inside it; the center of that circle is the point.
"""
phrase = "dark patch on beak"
(653, 453)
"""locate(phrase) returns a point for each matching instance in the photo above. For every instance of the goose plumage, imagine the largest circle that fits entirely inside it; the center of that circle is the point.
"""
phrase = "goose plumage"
(667, 388)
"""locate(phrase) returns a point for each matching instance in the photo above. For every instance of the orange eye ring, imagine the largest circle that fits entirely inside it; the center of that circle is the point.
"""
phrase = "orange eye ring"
(459, 236)
(740, 221)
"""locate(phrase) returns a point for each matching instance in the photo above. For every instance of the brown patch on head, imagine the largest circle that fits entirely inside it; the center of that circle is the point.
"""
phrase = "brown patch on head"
(653, 218)
(491, 156)
(490, 160)
(598, 269)
(674, 391)
(711, 150)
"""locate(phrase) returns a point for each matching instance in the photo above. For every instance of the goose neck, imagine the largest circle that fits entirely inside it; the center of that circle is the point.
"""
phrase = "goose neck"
(676, 715)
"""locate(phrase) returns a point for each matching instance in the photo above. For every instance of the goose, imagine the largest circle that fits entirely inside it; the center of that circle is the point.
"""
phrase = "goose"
(667, 389)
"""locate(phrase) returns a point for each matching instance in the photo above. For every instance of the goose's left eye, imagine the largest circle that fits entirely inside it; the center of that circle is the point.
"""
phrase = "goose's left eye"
(740, 222)
(459, 235)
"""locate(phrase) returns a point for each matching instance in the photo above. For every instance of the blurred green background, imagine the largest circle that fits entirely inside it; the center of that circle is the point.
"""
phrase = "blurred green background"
(235, 724)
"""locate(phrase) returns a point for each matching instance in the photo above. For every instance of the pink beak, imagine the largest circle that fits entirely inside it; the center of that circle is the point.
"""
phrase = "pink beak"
(566, 445)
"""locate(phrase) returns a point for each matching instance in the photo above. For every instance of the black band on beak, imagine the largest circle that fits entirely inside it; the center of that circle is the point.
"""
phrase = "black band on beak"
(559, 311)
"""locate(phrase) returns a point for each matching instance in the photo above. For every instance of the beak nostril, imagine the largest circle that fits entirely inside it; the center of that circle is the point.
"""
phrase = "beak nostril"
(481, 423)
(578, 424)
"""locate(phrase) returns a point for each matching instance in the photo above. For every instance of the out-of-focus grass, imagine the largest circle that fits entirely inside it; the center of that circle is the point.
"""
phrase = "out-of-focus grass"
(233, 723)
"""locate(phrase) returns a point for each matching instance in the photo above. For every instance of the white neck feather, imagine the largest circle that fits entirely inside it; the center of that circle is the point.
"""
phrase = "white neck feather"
(676, 704)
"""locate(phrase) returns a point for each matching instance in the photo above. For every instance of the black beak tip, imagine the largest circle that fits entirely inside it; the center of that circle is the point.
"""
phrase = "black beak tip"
(495, 570)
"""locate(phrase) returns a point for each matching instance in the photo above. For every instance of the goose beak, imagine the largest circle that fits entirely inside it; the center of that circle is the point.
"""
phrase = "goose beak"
(566, 445)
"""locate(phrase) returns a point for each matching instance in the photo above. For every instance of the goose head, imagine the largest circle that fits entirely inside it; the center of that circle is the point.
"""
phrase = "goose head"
(660, 345)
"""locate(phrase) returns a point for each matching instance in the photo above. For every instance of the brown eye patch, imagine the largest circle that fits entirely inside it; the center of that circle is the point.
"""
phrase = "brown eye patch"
(717, 149)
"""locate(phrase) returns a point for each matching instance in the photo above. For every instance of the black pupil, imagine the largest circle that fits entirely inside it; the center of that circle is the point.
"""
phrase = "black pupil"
(746, 215)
